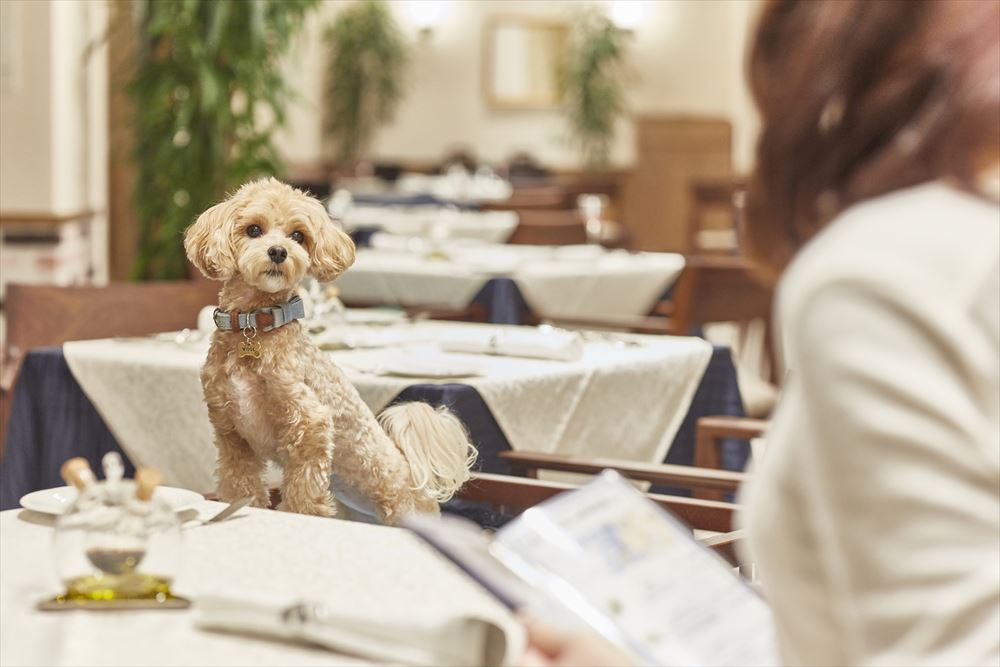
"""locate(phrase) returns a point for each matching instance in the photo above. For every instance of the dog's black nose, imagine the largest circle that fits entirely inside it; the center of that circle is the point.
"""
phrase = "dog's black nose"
(277, 254)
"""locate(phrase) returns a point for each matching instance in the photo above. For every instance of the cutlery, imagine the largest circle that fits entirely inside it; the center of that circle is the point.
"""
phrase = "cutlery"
(227, 512)
(232, 509)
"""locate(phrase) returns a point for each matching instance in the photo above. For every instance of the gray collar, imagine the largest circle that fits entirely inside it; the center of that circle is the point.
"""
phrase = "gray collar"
(262, 319)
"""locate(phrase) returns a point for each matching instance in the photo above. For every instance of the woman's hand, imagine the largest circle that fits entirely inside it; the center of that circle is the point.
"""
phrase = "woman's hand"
(549, 646)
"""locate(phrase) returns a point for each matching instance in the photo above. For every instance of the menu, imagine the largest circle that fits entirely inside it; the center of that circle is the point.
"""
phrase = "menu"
(605, 557)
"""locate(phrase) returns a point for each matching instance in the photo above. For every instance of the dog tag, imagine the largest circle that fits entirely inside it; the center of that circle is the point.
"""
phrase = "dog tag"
(249, 348)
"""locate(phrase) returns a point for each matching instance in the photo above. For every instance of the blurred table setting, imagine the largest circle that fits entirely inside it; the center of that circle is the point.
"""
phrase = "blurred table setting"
(456, 184)
(586, 394)
(221, 570)
(558, 282)
(430, 222)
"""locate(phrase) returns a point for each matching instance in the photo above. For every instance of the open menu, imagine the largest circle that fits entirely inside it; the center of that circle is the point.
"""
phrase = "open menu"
(606, 558)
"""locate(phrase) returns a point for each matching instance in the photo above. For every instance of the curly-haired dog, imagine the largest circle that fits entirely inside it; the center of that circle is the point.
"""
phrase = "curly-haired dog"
(273, 395)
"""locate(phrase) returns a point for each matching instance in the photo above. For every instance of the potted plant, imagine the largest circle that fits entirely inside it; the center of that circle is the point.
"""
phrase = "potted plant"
(368, 58)
(208, 95)
(590, 81)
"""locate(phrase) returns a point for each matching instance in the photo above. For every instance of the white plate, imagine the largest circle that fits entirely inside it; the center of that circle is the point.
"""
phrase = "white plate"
(56, 501)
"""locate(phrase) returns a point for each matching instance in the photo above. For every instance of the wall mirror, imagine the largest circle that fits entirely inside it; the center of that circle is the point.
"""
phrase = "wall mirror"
(520, 60)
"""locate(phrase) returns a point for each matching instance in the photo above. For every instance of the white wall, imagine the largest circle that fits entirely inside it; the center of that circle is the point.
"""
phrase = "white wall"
(746, 123)
(685, 58)
(26, 108)
(53, 115)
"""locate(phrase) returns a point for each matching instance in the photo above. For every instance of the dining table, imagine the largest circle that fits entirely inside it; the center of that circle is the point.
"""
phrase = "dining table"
(514, 282)
(370, 574)
(631, 397)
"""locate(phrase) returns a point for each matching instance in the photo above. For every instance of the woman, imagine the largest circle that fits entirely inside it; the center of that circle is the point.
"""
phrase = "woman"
(874, 519)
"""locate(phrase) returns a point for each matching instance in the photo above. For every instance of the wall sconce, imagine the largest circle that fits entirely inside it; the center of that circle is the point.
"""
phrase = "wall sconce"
(628, 14)
(426, 15)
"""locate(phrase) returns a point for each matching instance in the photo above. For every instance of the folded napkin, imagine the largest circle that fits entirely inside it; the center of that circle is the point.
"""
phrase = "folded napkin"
(459, 641)
(540, 343)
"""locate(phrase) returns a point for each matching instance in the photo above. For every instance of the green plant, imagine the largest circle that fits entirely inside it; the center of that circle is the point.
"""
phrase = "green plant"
(208, 94)
(590, 79)
(368, 58)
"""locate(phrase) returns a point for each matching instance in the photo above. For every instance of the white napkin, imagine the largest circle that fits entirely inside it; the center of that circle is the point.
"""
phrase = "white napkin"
(540, 343)
(456, 642)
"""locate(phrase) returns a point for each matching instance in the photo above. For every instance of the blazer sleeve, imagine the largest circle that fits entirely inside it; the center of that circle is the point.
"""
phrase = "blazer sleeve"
(904, 468)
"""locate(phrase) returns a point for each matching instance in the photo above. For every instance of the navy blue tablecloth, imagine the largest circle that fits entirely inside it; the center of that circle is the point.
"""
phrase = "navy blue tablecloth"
(399, 199)
(52, 420)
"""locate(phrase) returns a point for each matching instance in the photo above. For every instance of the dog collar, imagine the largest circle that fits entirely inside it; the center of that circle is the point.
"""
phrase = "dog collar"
(262, 319)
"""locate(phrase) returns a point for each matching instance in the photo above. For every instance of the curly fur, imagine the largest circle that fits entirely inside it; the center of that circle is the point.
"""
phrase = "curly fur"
(293, 405)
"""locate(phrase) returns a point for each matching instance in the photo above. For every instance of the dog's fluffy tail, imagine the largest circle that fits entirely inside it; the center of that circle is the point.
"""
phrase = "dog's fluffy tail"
(436, 445)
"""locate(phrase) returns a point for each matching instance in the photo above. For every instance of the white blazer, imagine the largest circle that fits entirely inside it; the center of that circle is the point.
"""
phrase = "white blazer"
(874, 517)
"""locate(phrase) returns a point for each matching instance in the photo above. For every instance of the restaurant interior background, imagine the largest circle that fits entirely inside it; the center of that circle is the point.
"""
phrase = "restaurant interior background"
(65, 173)
(479, 78)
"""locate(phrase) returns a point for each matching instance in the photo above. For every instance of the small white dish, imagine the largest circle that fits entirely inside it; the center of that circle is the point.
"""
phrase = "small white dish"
(57, 500)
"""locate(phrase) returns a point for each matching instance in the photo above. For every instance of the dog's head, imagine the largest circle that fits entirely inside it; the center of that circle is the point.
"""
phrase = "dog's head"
(270, 235)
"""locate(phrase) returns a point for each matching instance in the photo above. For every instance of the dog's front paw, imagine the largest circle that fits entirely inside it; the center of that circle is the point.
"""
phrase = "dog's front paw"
(263, 502)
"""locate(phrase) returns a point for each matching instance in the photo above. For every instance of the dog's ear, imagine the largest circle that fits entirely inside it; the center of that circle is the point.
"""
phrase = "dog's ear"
(209, 242)
(333, 250)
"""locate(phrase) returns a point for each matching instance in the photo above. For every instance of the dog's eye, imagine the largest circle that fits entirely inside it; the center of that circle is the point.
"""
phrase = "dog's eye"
(298, 236)
(253, 231)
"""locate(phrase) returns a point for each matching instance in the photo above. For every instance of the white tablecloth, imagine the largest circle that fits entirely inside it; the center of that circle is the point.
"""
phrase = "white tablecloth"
(617, 401)
(456, 185)
(572, 282)
(434, 222)
(276, 558)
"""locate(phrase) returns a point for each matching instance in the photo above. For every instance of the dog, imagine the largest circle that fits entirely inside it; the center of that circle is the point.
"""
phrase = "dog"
(272, 395)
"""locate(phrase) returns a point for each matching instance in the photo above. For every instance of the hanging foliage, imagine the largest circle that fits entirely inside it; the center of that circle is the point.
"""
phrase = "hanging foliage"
(591, 79)
(368, 58)
(208, 94)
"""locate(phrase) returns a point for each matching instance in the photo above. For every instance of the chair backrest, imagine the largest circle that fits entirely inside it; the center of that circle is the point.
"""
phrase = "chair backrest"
(541, 227)
(46, 315)
(527, 464)
(535, 197)
(718, 289)
(43, 315)
(718, 201)
(513, 495)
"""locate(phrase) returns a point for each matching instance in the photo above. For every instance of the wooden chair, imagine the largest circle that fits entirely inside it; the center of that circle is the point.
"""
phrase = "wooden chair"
(47, 315)
(543, 227)
(716, 200)
(709, 434)
(534, 197)
(511, 494)
(711, 431)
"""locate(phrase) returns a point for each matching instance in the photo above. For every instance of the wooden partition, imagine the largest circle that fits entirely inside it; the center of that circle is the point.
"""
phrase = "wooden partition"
(673, 153)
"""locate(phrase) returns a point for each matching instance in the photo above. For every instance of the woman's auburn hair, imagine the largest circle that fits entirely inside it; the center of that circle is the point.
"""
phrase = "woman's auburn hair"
(858, 98)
